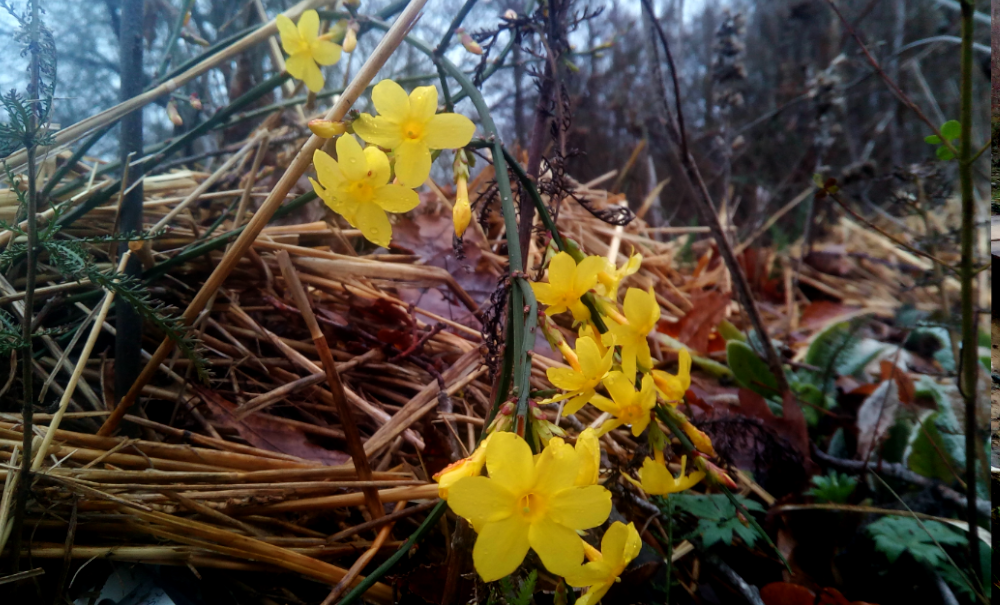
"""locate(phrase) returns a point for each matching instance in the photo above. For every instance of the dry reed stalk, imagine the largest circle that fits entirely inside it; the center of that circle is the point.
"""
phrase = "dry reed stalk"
(226, 542)
(390, 41)
(353, 436)
(88, 347)
(363, 560)
(420, 492)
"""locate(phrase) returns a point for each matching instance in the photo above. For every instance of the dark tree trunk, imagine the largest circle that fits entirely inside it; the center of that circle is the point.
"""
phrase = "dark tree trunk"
(128, 323)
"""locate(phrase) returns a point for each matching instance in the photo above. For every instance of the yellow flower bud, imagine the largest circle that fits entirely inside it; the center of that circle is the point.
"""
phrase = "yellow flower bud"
(470, 45)
(173, 114)
(327, 129)
(195, 102)
(462, 212)
(350, 40)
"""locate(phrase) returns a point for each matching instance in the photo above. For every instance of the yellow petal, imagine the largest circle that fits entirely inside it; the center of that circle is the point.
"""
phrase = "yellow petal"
(613, 544)
(302, 67)
(595, 594)
(559, 547)
(378, 166)
(575, 404)
(396, 198)
(374, 224)
(562, 272)
(413, 163)
(423, 103)
(378, 130)
(565, 378)
(590, 357)
(586, 273)
(589, 574)
(328, 197)
(633, 544)
(684, 369)
(290, 40)
(351, 159)
(640, 425)
(500, 548)
(543, 292)
(556, 468)
(481, 500)
(641, 309)
(588, 452)
(655, 478)
(391, 101)
(580, 507)
(604, 404)
(620, 387)
(509, 462)
(629, 349)
(327, 170)
(325, 52)
(309, 25)
(449, 131)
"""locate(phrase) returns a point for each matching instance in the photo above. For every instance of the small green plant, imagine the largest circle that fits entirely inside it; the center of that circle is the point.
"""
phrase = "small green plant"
(895, 535)
(951, 131)
(718, 519)
(833, 488)
(521, 596)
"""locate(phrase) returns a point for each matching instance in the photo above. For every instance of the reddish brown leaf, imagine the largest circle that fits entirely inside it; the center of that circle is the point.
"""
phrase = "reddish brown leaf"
(695, 327)
(792, 426)
(864, 390)
(824, 312)
(786, 593)
(907, 391)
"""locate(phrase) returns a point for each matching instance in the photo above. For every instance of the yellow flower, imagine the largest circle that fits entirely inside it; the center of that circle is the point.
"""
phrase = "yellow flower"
(355, 185)
(642, 313)
(670, 387)
(466, 467)
(619, 546)
(612, 277)
(326, 129)
(306, 48)
(409, 127)
(656, 480)
(627, 405)
(580, 384)
(528, 502)
(568, 282)
(588, 453)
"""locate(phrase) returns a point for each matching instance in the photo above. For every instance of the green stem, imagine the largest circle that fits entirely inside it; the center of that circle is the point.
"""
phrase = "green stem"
(670, 548)
(455, 24)
(359, 590)
(970, 343)
(71, 162)
(175, 33)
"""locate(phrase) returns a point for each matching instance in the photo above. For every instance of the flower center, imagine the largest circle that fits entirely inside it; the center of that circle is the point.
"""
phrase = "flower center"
(632, 413)
(363, 191)
(532, 506)
(413, 130)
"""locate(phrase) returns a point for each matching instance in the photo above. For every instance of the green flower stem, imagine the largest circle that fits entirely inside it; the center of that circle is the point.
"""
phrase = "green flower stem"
(382, 569)
(175, 33)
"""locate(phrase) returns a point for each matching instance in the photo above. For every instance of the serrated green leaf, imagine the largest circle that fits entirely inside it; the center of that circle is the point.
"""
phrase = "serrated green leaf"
(894, 535)
(944, 154)
(952, 129)
(933, 139)
(750, 370)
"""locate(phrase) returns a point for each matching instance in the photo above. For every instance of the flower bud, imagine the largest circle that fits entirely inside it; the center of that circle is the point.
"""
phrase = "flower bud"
(470, 45)
(350, 39)
(195, 102)
(461, 214)
(327, 129)
(466, 467)
(173, 114)
(510, 15)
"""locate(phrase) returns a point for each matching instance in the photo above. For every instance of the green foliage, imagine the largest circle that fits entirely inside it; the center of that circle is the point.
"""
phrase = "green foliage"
(750, 370)
(521, 596)
(835, 487)
(717, 518)
(894, 535)
(951, 131)
(21, 130)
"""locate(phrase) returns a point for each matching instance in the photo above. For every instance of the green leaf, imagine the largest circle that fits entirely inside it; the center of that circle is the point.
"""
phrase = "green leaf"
(834, 487)
(933, 139)
(731, 332)
(750, 371)
(894, 535)
(944, 154)
(951, 130)
(717, 519)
